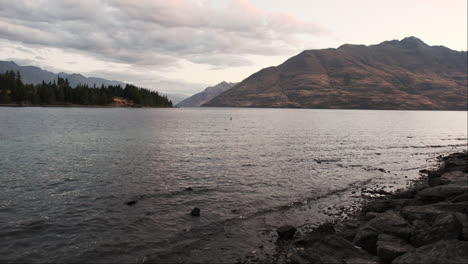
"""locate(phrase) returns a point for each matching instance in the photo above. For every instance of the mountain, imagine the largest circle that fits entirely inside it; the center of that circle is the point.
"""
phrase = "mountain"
(176, 98)
(35, 75)
(206, 95)
(405, 74)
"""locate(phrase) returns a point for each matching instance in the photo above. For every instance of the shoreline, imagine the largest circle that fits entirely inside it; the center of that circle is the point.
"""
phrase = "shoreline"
(425, 223)
(81, 106)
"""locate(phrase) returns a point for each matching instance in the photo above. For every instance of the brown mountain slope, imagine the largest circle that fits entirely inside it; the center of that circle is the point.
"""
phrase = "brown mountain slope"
(206, 95)
(406, 74)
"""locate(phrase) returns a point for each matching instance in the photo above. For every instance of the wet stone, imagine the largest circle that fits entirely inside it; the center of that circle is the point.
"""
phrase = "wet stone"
(195, 212)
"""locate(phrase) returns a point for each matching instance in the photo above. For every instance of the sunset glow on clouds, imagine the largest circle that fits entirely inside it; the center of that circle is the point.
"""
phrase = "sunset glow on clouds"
(181, 41)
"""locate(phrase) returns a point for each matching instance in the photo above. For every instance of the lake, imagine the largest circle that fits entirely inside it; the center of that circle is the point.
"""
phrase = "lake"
(67, 173)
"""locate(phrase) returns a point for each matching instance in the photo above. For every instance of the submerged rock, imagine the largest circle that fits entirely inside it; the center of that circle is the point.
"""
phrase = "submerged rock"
(286, 232)
(444, 251)
(130, 203)
(195, 212)
(189, 189)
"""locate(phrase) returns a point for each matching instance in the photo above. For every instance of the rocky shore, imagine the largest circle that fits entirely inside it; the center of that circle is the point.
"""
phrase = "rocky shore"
(425, 224)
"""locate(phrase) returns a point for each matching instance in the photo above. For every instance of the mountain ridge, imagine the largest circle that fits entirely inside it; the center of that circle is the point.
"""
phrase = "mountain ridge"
(406, 74)
(206, 95)
(35, 75)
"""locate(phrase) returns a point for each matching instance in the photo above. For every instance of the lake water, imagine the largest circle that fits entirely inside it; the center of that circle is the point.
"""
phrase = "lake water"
(66, 174)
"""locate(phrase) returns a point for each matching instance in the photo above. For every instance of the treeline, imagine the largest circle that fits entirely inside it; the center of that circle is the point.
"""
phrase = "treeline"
(14, 91)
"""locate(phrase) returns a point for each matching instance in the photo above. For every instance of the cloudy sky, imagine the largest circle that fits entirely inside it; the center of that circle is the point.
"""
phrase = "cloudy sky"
(181, 46)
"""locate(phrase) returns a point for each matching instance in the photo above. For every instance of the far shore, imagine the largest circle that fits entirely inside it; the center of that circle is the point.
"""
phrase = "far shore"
(81, 106)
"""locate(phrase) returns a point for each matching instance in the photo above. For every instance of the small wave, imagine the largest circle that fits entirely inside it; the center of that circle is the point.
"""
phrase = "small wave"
(193, 190)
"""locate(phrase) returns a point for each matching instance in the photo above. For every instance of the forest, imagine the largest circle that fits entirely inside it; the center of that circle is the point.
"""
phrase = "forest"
(14, 91)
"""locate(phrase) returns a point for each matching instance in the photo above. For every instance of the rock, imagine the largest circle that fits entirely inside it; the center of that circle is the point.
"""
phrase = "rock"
(195, 212)
(454, 177)
(419, 224)
(371, 215)
(446, 226)
(378, 206)
(360, 261)
(189, 189)
(332, 249)
(307, 256)
(286, 232)
(425, 213)
(405, 194)
(130, 203)
(442, 192)
(460, 207)
(460, 198)
(444, 251)
(463, 218)
(388, 223)
(366, 238)
(428, 213)
(389, 247)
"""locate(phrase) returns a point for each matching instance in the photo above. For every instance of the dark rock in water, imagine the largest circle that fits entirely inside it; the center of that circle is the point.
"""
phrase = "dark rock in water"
(195, 212)
(130, 203)
(382, 170)
(189, 189)
(442, 192)
(444, 251)
(286, 232)
(446, 226)
(389, 247)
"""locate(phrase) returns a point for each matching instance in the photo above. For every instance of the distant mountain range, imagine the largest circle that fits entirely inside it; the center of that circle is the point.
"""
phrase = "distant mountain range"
(35, 75)
(406, 74)
(206, 95)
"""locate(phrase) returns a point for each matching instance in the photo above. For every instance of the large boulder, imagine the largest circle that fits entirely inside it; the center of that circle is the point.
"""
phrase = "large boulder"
(389, 247)
(389, 222)
(332, 249)
(378, 206)
(454, 177)
(446, 226)
(428, 213)
(442, 192)
(444, 251)
(460, 198)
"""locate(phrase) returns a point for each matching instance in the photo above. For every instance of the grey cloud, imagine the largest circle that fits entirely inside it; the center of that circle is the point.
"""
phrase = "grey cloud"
(156, 32)
(151, 81)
